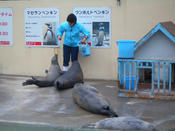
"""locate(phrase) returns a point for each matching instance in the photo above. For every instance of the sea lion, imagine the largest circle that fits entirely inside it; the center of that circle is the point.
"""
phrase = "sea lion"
(70, 78)
(53, 73)
(122, 123)
(90, 99)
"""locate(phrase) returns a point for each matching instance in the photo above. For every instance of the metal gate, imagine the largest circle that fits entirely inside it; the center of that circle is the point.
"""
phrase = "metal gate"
(162, 78)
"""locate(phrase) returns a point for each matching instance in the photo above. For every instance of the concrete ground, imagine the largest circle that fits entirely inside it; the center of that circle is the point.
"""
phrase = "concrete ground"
(30, 105)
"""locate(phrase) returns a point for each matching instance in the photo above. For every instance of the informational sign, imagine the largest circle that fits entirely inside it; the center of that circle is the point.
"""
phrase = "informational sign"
(6, 27)
(97, 21)
(41, 25)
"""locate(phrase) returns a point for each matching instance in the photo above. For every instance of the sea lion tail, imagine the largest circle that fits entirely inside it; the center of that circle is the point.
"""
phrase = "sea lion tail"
(90, 125)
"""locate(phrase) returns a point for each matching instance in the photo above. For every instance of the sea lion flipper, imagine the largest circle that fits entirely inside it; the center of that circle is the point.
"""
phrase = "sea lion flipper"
(90, 125)
(28, 82)
(62, 72)
(33, 78)
(24, 83)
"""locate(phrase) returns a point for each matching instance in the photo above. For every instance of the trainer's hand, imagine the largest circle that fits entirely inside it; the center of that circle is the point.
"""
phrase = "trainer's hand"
(83, 40)
(59, 37)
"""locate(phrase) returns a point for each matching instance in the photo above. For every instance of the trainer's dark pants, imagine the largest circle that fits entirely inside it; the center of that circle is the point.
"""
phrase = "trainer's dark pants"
(69, 51)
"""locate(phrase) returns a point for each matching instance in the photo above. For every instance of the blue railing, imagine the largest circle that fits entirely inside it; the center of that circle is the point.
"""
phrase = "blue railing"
(161, 74)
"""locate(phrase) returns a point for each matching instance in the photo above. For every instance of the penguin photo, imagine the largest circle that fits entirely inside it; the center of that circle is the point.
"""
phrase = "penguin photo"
(49, 35)
(100, 35)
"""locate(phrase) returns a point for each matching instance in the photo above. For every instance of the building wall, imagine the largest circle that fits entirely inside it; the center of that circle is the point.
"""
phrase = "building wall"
(130, 21)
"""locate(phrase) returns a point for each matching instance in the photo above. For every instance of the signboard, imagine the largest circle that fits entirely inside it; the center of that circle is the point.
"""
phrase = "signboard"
(6, 27)
(41, 25)
(97, 21)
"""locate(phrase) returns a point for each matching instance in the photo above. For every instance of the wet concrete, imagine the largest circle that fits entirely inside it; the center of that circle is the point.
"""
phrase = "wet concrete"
(47, 106)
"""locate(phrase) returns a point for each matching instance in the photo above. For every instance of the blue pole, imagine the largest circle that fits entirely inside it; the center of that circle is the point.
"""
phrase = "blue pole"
(164, 76)
(135, 63)
(169, 77)
(152, 77)
(119, 71)
(130, 75)
(158, 77)
(124, 76)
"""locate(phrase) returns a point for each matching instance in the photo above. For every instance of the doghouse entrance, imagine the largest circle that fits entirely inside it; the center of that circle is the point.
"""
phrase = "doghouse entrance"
(173, 73)
(145, 75)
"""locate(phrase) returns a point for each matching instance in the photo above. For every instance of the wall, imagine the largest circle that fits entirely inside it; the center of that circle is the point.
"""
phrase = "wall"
(132, 20)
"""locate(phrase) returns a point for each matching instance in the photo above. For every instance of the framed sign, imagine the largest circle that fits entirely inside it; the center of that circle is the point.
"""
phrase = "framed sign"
(6, 27)
(41, 25)
(97, 21)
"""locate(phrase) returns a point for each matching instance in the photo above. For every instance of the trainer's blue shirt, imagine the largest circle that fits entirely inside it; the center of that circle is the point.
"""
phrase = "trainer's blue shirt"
(72, 33)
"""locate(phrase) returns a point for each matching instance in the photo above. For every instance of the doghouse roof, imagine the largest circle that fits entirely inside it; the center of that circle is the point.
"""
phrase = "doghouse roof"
(167, 28)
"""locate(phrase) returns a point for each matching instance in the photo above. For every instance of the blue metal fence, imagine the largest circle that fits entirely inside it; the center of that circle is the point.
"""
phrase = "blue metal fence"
(161, 74)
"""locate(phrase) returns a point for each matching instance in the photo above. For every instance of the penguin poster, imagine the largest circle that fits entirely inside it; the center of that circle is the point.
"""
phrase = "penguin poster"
(41, 25)
(97, 20)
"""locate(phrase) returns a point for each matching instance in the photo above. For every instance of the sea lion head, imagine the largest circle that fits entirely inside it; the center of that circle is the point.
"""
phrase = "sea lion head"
(54, 60)
(107, 110)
